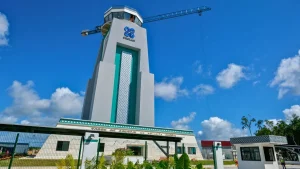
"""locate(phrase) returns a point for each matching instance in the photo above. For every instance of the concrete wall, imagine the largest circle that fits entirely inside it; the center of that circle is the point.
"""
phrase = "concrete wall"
(48, 151)
(103, 89)
(263, 164)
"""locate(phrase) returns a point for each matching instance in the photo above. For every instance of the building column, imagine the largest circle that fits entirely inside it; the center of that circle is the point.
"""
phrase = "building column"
(90, 147)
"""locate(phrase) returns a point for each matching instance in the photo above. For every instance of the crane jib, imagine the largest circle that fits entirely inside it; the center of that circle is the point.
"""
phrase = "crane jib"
(170, 15)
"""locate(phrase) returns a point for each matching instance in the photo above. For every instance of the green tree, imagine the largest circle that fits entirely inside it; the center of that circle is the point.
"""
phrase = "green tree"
(259, 124)
(247, 123)
(290, 129)
(183, 162)
(175, 160)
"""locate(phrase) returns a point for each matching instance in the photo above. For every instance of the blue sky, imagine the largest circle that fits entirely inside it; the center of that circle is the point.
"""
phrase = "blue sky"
(240, 58)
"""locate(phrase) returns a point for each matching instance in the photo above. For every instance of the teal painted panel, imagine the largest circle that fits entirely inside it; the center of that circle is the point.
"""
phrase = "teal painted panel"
(116, 86)
(133, 88)
(122, 126)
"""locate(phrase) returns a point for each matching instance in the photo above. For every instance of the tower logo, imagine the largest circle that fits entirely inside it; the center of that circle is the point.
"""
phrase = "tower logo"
(129, 34)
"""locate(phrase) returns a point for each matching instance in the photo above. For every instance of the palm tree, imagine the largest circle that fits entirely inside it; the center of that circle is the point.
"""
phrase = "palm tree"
(246, 123)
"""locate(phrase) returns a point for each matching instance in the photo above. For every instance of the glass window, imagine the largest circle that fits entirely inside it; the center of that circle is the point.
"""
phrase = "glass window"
(269, 153)
(62, 146)
(191, 150)
(250, 154)
(179, 150)
(101, 147)
(127, 16)
(132, 18)
(118, 15)
(106, 19)
(137, 150)
(137, 21)
(110, 17)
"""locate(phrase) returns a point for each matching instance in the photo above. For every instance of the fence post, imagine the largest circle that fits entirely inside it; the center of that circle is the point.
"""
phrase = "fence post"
(78, 162)
(146, 150)
(13, 153)
(97, 158)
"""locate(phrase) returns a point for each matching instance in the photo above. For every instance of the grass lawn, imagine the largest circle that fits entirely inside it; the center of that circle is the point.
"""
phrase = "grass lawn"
(30, 162)
(48, 162)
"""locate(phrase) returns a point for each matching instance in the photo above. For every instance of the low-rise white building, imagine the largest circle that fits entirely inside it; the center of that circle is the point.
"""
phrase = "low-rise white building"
(257, 151)
(58, 146)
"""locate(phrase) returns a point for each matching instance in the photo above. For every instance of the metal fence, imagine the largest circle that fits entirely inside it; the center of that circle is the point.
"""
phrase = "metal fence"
(34, 150)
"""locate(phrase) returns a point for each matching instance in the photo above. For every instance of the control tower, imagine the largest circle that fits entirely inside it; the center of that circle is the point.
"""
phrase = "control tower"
(121, 89)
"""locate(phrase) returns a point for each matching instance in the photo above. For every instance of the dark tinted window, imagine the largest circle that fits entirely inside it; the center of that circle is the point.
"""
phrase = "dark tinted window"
(127, 16)
(250, 154)
(62, 146)
(269, 153)
(191, 150)
(179, 150)
(119, 15)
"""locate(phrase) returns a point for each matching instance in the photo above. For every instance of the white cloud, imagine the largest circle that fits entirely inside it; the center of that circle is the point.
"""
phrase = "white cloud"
(27, 105)
(203, 89)
(255, 82)
(3, 30)
(216, 128)
(228, 77)
(287, 76)
(25, 100)
(63, 100)
(198, 67)
(25, 122)
(295, 109)
(183, 123)
(170, 89)
(8, 119)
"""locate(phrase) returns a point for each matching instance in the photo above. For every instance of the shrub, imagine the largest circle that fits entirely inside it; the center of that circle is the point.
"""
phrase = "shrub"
(138, 165)
(92, 164)
(183, 162)
(68, 162)
(175, 161)
(199, 166)
(130, 165)
(147, 165)
(163, 164)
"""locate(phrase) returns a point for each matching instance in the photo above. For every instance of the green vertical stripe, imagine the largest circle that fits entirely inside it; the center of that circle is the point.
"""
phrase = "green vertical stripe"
(116, 85)
(133, 85)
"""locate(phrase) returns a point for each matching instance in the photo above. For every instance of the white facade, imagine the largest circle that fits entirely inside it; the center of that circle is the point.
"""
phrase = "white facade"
(257, 151)
(262, 164)
(49, 149)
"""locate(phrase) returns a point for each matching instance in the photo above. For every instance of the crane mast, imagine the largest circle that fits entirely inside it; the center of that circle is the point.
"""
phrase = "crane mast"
(198, 10)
